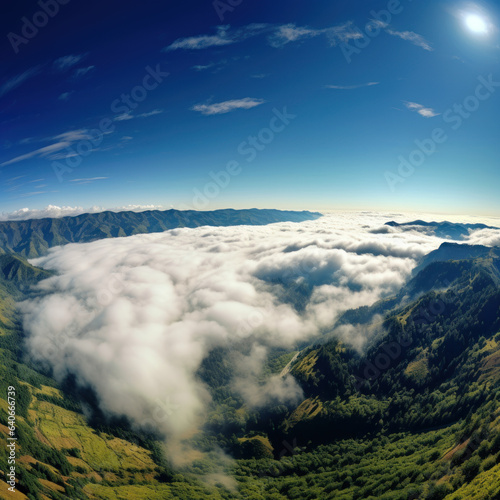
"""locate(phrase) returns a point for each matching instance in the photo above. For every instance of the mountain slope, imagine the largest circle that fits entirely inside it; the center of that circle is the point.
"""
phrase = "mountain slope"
(32, 238)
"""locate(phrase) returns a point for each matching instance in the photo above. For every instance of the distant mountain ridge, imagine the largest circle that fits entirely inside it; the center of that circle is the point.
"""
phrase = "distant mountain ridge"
(457, 251)
(445, 229)
(32, 238)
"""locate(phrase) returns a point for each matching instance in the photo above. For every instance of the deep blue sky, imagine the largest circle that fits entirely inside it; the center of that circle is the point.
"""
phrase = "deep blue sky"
(353, 120)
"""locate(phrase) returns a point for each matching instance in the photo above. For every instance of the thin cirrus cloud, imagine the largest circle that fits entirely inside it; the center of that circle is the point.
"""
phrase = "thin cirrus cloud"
(41, 152)
(80, 72)
(65, 96)
(88, 180)
(352, 87)
(53, 151)
(130, 116)
(409, 36)
(66, 62)
(289, 33)
(18, 80)
(421, 109)
(221, 37)
(278, 36)
(220, 108)
(412, 37)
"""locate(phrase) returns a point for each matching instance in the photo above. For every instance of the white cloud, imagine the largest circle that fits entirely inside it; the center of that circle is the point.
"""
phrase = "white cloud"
(412, 37)
(421, 109)
(54, 151)
(278, 36)
(41, 152)
(123, 117)
(135, 317)
(65, 96)
(130, 115)
(351, 87)
(202, 41)
(83, 71)
(227, 106)
(151, 113)
(291, 33)
(409, 36)
(66, 62)
(88, 180)
(18, 80)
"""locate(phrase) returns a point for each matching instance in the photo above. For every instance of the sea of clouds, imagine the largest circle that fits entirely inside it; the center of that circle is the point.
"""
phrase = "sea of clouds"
(135, 317)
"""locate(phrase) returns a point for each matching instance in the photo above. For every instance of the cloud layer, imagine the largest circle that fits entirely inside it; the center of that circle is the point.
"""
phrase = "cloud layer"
(135, 317)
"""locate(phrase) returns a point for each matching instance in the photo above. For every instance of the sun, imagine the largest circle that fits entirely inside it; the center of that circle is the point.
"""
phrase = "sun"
(476, 24)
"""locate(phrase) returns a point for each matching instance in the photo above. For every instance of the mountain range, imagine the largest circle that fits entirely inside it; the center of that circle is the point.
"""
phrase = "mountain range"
(32, 238)
(445, 229)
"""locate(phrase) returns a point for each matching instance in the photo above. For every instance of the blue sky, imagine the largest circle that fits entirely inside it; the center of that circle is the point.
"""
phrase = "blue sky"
(194, 104)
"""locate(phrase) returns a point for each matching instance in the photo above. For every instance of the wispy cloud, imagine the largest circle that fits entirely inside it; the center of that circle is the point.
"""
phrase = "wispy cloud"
(88, 180)
(123, 117)
(82, 71)
(351, 87)
(412, 37)
(73, 135)
(409, 36)
(41, 152)
(151, 113)
(18, 80)
(66, 62)
(227, 106)
(203, 67)
(202, 41)
(130, 116)
(65, 96)
(291, 33)
(278, 36)
(421, 109)
(215, 66)
(33, 193)
(54, 151)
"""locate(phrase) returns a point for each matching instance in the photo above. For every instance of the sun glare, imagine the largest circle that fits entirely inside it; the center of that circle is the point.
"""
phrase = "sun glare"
(476, 24)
